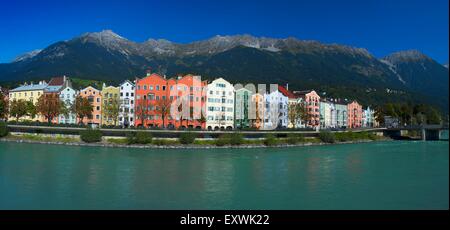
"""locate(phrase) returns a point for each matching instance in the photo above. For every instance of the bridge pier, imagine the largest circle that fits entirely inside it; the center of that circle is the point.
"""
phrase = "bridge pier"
(431, 134)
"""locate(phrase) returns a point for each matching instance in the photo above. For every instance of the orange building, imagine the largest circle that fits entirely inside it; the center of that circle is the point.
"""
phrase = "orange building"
(311, 100)
(94, 96)
(155, 91)
(149, 90)
(354, 115)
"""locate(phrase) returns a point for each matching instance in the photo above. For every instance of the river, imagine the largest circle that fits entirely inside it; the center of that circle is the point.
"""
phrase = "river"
(378, 175)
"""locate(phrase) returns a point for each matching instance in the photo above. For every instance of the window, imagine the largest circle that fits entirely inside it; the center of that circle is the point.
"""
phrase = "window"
(150, 87)
(98, 99)
(98, 108)
(164, 88)
(157, 87)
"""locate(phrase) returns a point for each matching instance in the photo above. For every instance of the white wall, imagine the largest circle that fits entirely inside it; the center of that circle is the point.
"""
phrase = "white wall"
(219, 105)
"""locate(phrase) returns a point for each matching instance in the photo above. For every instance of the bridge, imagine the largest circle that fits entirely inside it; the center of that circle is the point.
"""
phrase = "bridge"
(427, 132)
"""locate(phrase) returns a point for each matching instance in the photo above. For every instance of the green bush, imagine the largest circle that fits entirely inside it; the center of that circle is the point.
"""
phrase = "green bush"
(270, 140)
(3, 129)
(160, 142)
(91, 135)
(222, 140)
(187, 138)
(139, 138)
(294, 138)
(372, 136)
(236, 139)
(143, 138)
(342, 137)
(327, 137)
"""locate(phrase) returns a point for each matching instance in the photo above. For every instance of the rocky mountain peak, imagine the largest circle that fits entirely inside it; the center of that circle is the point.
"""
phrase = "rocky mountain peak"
(26, 56)
(406, 56)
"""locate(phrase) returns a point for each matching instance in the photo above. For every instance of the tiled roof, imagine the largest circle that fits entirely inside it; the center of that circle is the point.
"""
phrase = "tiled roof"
(53, 88)
(30, 87)
(286, 92)
(56, 81)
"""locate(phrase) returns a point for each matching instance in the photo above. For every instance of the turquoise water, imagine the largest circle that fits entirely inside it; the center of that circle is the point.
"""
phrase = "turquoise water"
(383, 175)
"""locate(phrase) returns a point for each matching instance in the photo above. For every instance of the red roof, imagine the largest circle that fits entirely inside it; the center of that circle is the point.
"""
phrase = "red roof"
(286, 92)
(56, 81)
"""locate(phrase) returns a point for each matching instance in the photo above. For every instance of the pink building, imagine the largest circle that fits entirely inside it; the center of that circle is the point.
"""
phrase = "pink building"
(311, 100)
(354, 115)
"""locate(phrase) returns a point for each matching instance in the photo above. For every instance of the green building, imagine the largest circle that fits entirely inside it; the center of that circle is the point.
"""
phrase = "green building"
(242, 104)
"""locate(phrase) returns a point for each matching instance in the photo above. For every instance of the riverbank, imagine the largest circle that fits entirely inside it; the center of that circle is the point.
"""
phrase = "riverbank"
(170, 143)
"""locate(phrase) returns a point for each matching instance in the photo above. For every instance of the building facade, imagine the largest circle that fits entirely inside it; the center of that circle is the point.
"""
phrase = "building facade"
(368, 117)
(28, 92)
(275, 110)
(312, 103)
(156, 94)
(327, 115)
(354, 118)
(220, 105)
(95, 98)
(67, 95)
(258, 105)
(242, 108)
(293, 102)
(110, 105)
(126, 109)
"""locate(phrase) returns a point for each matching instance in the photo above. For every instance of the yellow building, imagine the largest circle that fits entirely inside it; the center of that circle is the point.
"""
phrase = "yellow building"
(110, 105)
(28, 92)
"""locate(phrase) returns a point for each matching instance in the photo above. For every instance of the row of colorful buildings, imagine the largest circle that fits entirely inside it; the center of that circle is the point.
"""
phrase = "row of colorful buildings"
(194, 103)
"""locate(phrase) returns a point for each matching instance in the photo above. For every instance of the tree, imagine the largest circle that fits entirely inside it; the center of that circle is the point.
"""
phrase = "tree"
(304, 115)
(379, 115)
(294, 114)
(31, 109)
(111, 109)
(163, 110)
(49, 106)
(141, 110)
(82, 108)
(3, 107)
(18, 109)
(65, 108)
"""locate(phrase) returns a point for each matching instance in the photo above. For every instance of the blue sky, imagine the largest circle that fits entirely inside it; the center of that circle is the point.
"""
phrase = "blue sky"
(381, 26)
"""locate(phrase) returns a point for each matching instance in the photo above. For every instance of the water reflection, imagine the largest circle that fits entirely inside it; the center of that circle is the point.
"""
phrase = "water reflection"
(322, 177)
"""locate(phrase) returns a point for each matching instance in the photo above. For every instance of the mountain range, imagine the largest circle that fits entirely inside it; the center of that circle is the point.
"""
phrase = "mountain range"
(334, 70)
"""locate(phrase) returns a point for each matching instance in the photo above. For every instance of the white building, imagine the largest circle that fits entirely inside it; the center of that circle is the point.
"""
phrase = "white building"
(368, 117)
(126, 109)
(327, 115)
(275, 110)
(67, 95)
(219, 105)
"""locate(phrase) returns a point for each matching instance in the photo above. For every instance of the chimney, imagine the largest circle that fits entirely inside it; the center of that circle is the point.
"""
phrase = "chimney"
(287, 86)
(104, 85)
(149, 72)
(64, 79)
(179, 77)
(164, 76)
